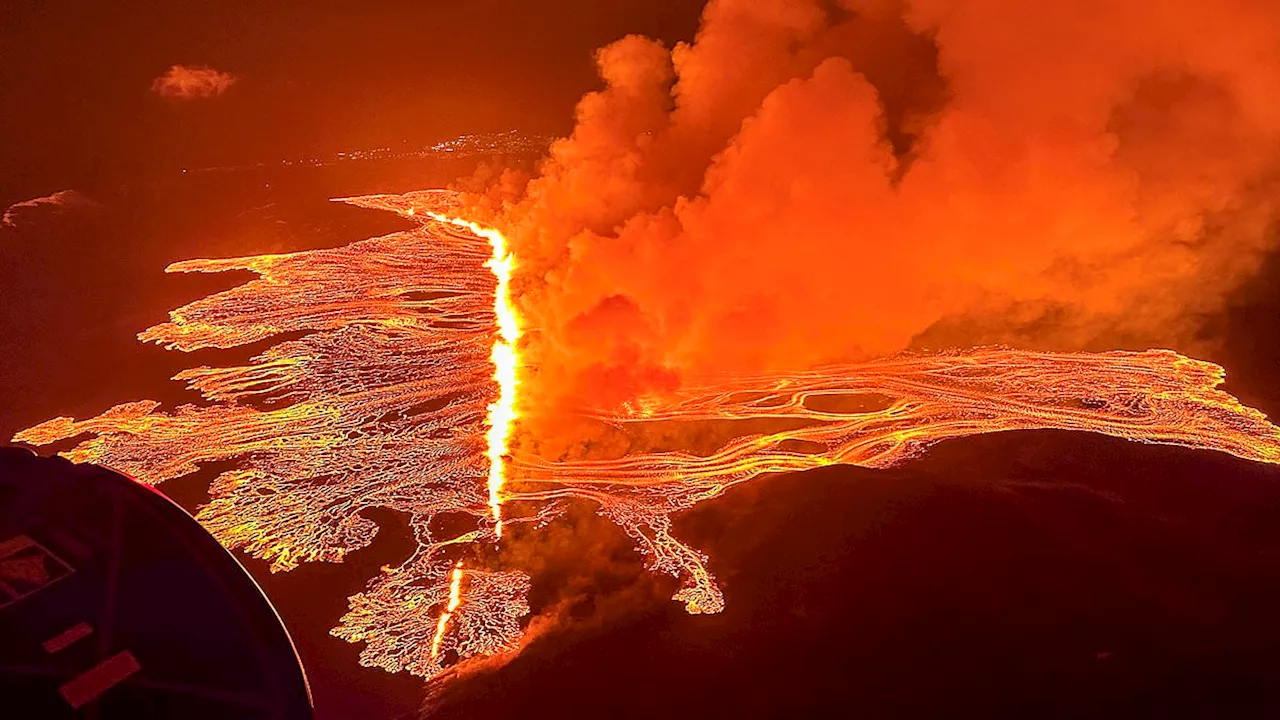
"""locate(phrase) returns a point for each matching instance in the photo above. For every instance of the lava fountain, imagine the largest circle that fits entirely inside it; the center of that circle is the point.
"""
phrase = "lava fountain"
(502, 413)
(392, 383)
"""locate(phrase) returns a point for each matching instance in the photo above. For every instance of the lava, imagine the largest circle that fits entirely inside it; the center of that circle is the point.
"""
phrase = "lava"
(455, 598)
(392, 383)
(502, 413)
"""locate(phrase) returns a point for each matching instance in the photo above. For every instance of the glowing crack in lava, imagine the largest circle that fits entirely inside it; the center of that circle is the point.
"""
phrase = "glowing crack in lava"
(502, 413)
(381, 392)
(455, 598)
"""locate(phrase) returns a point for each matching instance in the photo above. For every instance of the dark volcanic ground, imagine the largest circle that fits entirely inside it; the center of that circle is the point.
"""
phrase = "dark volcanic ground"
(1036, 574)
(1039, 574)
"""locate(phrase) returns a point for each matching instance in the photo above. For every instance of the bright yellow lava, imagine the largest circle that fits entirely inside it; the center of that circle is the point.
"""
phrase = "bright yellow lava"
(455, 599)
(502, 413)
(376, 390)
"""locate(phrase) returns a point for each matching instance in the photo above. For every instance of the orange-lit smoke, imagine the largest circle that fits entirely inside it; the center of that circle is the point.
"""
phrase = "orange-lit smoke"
(189, 82)
(822, 181)
(807, 182)
(380, 402)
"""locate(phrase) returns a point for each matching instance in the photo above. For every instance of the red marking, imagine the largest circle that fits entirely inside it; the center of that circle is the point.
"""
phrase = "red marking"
(65, 638)
(88, 687)
(14, 544)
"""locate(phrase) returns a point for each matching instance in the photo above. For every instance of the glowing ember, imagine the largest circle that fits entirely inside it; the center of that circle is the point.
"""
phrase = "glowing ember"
(389, 401)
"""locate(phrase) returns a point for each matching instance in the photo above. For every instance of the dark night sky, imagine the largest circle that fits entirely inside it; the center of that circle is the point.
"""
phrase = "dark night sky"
(313, 77)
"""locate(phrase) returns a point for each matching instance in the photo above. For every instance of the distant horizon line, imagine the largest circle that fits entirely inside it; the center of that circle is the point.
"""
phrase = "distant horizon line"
(468, 144)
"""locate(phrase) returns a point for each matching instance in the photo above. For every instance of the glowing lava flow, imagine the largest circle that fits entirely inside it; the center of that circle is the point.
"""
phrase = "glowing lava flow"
(382, 396)
(455, 599)
(502, 413)
(880, 413)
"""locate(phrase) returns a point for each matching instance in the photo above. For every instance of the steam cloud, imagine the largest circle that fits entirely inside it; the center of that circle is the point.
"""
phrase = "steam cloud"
(26, 211)
(819, 181)
(189, 82)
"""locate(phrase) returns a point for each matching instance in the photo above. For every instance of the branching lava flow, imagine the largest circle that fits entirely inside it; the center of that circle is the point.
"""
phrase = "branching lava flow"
(401, 394)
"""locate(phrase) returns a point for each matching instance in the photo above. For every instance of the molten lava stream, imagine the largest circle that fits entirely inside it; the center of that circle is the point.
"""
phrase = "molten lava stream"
(455, 599)
(398, 395)
(502, 413)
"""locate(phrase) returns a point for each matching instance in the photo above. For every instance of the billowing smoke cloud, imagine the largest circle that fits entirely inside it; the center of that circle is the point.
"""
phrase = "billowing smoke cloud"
(820, 181)
(27, 211)
(190, 82)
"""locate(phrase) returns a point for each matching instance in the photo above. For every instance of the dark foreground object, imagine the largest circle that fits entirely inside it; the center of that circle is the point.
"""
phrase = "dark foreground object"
(115, 603)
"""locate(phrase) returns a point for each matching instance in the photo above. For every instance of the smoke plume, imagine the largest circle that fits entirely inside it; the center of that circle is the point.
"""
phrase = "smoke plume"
(28, 211)
(815, 181)
(188, 82)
